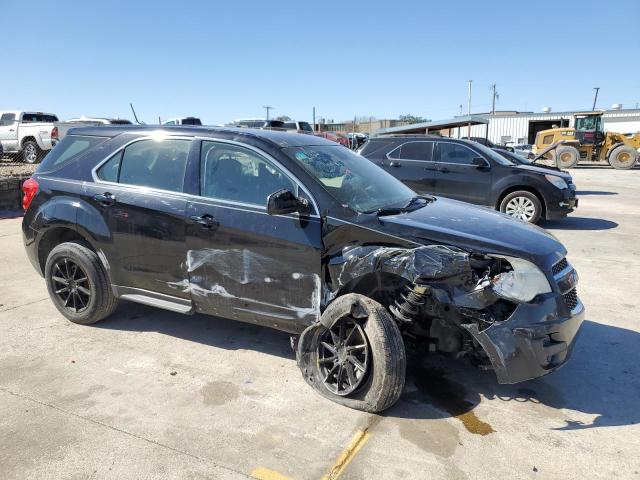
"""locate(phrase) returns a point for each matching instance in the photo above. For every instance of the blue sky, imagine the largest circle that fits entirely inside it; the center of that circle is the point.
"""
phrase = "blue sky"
(226, 60)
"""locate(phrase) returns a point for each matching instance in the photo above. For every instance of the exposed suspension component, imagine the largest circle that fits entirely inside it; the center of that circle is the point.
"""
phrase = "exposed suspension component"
(412, 298)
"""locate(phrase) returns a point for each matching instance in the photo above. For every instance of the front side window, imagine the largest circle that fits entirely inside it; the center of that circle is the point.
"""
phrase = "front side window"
(454, 153)
(416, 151)
(7, 119)
(238, 174)
(149, 163)
(353, 181)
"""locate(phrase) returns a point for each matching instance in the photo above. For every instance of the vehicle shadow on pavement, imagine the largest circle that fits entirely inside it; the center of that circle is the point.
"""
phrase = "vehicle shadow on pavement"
(594, 192)
(600, 381)
(205, 329)
(579, 223)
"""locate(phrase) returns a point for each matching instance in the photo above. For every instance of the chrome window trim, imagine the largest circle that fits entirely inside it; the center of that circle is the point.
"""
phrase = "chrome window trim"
(293, 178)
(411, 159)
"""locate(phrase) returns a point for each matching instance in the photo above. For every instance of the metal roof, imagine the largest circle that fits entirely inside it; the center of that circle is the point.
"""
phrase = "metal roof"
(435, 125)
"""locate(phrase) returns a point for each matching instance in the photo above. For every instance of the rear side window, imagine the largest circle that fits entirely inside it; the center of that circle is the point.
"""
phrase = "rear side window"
(69, 149)
(149, 163)
(416, 151)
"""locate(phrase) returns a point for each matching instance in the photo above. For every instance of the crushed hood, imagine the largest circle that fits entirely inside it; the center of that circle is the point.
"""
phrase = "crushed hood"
(475, 229)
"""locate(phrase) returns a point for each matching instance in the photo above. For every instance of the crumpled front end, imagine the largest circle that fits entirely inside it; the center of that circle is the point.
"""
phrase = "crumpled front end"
(501, 312)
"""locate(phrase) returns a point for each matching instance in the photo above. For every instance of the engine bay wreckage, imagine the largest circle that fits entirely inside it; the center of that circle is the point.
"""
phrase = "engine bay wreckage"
(444, 299)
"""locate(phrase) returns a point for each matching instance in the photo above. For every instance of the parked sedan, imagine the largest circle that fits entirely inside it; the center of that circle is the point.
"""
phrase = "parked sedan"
(297, 233)
(468, 171)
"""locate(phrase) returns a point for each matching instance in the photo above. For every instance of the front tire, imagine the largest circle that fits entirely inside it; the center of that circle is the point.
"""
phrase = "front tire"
(78, 284)
(360, 361)
(522, 205)
(567, 157)
(623, 157)
(31, 153)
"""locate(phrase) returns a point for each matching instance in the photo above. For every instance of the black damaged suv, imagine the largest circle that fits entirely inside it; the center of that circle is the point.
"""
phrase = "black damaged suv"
(299, 234)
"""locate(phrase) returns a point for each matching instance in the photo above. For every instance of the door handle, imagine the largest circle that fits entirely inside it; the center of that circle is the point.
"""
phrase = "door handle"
(11, 130)
(105, 199)
(444, 170)
(205, 221)
(395, 164)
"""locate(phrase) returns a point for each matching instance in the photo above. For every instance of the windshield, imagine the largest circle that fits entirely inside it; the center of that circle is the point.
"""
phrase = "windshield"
(352, 180)
(487, 152)
(588, 123)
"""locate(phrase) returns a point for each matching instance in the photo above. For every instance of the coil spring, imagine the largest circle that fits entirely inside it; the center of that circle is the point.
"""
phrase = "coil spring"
(408, 305)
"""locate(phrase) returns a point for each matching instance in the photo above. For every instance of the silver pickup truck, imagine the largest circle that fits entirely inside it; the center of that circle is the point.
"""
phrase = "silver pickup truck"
(26, 134)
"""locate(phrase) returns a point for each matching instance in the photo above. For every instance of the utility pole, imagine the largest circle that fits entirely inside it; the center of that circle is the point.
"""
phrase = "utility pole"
(496, 96)
(267, 108)
(595, 98)
(314, 120)
(469, 112)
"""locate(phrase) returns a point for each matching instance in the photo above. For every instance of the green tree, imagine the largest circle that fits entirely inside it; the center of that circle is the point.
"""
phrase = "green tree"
(283, 118)
(411, 118)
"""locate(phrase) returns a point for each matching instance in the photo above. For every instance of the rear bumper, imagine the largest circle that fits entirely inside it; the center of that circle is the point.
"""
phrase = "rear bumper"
(533, 342)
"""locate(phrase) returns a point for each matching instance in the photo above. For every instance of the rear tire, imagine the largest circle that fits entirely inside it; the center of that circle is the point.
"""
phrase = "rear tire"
(522, 205)
(567, 157)
(78, 284)
(31, 153)
(623, 157)
(382, 382)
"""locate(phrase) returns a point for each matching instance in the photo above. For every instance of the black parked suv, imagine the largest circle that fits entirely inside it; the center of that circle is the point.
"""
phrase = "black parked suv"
(467, 171)
(297, 233)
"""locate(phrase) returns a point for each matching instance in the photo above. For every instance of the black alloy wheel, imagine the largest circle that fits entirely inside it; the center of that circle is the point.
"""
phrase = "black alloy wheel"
(343, 356)
(71, 285)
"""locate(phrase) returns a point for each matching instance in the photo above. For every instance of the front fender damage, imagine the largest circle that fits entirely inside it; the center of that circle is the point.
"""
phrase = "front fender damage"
(442, 299)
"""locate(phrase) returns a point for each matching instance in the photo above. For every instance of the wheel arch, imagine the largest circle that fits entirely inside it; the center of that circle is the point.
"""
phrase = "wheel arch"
(55, 236)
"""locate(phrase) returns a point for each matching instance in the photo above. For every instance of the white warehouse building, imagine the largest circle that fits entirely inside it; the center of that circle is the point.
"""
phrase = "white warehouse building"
(521, 127)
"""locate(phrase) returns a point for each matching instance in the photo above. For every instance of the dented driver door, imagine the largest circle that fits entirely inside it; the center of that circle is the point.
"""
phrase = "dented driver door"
(244, 263)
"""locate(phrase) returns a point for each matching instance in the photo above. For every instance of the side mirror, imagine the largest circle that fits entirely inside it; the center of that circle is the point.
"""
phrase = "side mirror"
(283, 202)
(480, 162)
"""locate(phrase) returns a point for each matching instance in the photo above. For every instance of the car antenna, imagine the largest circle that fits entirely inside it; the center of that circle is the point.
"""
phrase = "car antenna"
(134, 114)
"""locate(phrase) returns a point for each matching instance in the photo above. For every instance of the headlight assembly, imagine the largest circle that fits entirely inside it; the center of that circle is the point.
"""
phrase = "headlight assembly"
(556, 181)
(521, 284)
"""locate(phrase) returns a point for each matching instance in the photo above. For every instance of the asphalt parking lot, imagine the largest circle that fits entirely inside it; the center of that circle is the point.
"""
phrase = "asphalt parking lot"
(153, 394)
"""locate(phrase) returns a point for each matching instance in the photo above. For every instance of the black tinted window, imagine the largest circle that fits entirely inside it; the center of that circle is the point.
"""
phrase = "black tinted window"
(38, 117)
(231, 172)
(455, 153)
(70, 148)
(416, 151)
(155, 163)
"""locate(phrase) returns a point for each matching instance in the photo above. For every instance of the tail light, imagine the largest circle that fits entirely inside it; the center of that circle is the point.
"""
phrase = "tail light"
(29, 190)
(54, 133)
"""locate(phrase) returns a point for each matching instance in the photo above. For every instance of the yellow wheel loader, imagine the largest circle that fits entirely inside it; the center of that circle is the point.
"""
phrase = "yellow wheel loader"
(587, 142)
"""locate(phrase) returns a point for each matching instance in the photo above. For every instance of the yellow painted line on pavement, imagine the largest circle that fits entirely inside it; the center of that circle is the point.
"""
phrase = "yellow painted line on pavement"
(358, 440)
(263, 473)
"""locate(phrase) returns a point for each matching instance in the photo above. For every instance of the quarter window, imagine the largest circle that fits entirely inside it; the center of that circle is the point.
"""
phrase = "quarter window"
(454, 153)
(416, 151)
(231, 172)
(149, 163)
